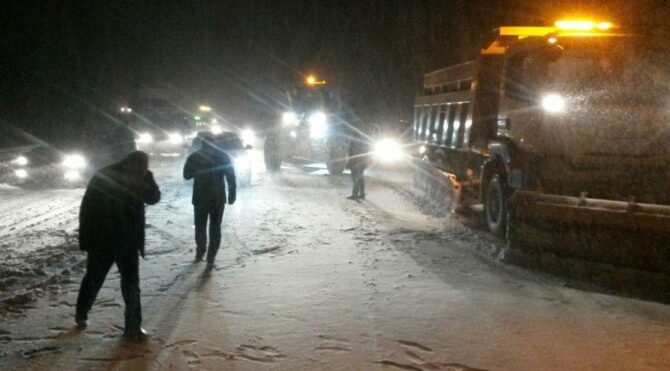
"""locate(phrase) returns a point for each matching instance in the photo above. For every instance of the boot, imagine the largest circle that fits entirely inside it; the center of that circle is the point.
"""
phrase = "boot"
(136, 336)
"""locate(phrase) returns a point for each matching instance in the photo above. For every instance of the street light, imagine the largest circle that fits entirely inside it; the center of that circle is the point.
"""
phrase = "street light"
(205, 108)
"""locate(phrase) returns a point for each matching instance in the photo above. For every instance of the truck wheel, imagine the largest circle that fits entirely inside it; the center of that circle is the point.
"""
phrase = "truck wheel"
(495, 206)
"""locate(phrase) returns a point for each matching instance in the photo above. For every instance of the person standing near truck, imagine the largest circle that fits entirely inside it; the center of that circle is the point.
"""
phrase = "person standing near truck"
(357, 163)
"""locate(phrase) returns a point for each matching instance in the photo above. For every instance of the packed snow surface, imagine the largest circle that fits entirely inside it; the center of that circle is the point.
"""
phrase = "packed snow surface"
(307, 279)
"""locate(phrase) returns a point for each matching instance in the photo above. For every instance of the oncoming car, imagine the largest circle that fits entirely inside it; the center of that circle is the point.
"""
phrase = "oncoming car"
(47, 167)
(232, 145)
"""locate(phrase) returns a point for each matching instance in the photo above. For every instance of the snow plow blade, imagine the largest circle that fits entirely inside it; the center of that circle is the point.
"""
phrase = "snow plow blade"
(588, 211)
(610, 242)
(622, 234)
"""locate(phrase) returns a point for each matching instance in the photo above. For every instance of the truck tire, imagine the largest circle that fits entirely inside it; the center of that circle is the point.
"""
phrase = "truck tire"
(272, 154)
(495, 205)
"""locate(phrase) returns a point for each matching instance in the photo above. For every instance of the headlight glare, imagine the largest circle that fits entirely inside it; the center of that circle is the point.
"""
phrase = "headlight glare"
(145, 138)
(289, 118)
(553, 103)
(216, 129)
(318, 126)
(21, 173)
(241, 164)
(248, 136)
(21, 161)
(74, 161)
(175, 138)
(388, 150)
(72, 175)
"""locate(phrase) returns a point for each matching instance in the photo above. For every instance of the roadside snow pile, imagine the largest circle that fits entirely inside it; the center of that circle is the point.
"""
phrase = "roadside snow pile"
(24, 276)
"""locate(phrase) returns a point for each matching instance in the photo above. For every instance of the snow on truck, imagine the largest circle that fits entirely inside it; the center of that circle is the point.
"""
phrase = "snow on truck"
(563, 128)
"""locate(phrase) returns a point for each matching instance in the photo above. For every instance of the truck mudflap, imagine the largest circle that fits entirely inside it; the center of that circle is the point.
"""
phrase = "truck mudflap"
(592, 239)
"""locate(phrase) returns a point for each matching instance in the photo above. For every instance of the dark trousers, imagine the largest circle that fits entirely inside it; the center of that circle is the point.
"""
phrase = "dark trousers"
(97, 266)
(215, 215)
(358, 179)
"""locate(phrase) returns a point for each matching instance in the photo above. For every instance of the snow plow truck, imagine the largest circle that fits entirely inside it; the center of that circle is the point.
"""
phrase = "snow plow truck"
(311, 129)
(562, 134)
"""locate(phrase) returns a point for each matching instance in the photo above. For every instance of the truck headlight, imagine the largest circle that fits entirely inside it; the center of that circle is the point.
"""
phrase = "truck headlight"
(175, 138)
(21, 161)
(289, 118)
(553, 103)
(388, 150)
(21, 173)
(145, 138)
(74, 161)
(318, 125)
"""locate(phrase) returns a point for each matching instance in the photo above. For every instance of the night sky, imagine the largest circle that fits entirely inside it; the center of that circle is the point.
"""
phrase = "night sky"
(66, 65)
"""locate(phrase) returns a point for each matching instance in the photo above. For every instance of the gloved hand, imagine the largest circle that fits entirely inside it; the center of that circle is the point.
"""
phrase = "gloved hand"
(231, 198)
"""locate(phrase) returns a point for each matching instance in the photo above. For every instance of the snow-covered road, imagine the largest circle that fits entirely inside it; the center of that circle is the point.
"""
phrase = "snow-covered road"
(309, 280)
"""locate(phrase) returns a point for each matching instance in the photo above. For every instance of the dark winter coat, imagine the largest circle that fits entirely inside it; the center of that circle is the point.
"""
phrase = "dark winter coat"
(358, 155)
(112, 212)
(208, 169)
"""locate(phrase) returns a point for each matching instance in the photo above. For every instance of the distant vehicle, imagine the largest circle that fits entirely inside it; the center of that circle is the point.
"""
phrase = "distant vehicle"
(47, 167)
(158, 118)
(311, 129)
(231, 144)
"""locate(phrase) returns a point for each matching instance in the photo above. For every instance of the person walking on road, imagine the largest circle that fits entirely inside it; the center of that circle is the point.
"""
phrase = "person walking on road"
(111, 230)
(208, 167)
(357, 163)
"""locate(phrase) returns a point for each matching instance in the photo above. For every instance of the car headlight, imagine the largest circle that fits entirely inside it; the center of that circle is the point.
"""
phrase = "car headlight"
(74, 162)
(216, 129)
(21, 161)
(553, 103)
(289, 118)
(21, 173)
(248, 136)
(72, 175)
(388, 150)
(145, 138)
(318, 125)
(175, 138)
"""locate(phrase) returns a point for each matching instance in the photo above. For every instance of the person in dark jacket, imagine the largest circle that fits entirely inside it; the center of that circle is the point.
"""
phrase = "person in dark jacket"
(357, 163)
(111, 230)
(208, 167)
